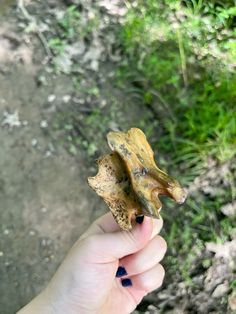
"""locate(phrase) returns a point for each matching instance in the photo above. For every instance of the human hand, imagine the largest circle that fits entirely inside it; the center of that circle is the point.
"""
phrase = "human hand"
(89, 280)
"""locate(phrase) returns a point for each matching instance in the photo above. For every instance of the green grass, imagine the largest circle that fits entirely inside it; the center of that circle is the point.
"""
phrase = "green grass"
(188, 228)
(180, 58)
(199, 91)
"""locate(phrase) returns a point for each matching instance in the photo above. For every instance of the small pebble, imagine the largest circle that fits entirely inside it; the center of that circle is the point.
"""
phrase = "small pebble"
(34, 142)
(220, 290)
(25, 123)
(51, 98)
(1, 253)
(51, 147)
(44, 209)
(49, 70)
(48, 153)
(32, 233)
(6, 231)
(66, 98)
(44, 124)
(43, 242)
(103, 103)
(78, 101)
(42, 80)
(2, 101)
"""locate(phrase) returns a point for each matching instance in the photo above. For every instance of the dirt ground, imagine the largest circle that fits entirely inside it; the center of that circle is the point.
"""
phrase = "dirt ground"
(45, 202)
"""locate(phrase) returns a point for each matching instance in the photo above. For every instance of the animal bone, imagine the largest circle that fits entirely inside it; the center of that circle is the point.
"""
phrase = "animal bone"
(129, 180)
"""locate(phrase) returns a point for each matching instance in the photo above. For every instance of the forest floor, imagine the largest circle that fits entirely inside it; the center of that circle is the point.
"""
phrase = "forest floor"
(53, 121)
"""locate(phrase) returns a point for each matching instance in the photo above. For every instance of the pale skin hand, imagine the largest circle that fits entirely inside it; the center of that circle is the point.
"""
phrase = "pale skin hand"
(86, 281)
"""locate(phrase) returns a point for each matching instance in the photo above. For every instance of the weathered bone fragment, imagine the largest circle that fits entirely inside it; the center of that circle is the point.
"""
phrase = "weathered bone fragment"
(129, 180)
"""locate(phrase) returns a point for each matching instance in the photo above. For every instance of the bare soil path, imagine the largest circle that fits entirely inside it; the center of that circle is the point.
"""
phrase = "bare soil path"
(45, 203)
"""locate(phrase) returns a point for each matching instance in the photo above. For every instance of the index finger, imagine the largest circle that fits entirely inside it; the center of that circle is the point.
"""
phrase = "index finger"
(104, 224)
(157, 226)
(107, 224)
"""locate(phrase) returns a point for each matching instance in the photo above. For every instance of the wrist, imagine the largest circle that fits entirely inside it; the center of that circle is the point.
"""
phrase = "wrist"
(40, 304)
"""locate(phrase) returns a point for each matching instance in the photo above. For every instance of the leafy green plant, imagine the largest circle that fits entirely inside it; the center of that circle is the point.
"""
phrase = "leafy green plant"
(57, 45)
(73, 26)
(198, 88)
(180, 56)
(70, 22)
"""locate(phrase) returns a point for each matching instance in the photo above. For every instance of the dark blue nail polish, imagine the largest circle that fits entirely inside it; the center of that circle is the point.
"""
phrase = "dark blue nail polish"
(139, 219)
(126, 282)
(121, 272)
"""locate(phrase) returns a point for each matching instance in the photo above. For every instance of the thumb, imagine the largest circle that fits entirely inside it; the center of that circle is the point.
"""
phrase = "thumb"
(112, 246)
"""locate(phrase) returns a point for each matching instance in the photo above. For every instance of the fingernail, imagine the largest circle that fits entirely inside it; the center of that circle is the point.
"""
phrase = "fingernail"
(139, 219)
(121, 272)
(126, 282)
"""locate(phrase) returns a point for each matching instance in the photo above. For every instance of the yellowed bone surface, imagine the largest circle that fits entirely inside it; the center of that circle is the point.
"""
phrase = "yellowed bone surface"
(129, 180)
(112, 183)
